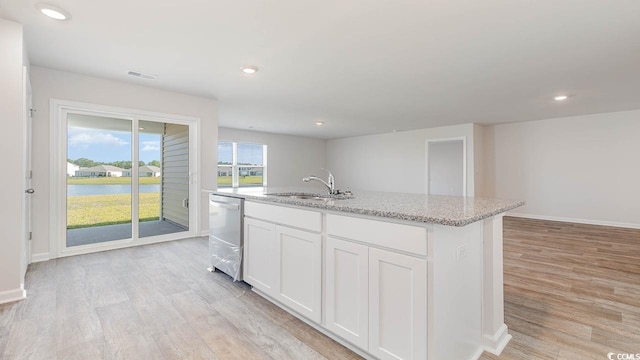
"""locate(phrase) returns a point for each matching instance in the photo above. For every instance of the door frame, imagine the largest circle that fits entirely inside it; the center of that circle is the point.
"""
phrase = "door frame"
(27, 174)
(464, 162)
(58, 137)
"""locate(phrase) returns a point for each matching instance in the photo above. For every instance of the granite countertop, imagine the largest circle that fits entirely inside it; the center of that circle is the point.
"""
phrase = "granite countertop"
(443, 210)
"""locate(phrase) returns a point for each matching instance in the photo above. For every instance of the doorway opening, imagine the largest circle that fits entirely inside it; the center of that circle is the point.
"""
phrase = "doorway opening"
(446, 167)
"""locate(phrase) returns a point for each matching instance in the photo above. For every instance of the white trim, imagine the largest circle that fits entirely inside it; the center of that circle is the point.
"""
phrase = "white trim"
(497, 342)
(464, 162)
(13, 295)
(575, 220)
(120, 244)
(39, 257)
(204, 233)
(57, 211)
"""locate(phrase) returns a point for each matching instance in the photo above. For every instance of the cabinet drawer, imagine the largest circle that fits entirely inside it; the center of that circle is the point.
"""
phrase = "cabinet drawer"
(304, 219)
(407, 238)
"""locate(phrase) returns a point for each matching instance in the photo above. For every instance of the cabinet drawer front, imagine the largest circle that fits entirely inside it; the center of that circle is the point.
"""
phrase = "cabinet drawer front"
(304, 219)
(407, 238)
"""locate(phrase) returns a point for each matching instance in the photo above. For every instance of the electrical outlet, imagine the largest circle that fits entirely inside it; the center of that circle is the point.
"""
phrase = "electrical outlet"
(461, 252)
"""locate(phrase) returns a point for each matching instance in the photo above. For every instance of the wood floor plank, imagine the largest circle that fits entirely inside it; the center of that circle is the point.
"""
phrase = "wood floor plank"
(181, 342)
(274, 340)
(574, 289)
(226, 340)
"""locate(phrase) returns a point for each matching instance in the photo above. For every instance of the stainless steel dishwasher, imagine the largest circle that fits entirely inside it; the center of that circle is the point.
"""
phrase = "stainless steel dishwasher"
(226, 235)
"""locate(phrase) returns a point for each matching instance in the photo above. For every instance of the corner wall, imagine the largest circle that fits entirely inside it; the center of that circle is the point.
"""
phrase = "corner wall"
(582, 169)
(289, 158)
(12, 147)
(53, 84)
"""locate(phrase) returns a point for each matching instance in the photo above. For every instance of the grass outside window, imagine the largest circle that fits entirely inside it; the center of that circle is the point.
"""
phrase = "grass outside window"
(99, 210)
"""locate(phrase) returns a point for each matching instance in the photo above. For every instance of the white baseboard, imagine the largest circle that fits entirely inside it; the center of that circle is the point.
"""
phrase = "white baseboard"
(495, 343)
(39, 257)
(13, 295)
(204, 232)
(574, 220)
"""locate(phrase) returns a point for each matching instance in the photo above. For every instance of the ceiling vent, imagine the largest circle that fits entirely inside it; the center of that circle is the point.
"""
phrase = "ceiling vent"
(142, 75)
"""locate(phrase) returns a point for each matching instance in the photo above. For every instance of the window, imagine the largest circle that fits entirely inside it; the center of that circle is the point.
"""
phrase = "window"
(241, 165)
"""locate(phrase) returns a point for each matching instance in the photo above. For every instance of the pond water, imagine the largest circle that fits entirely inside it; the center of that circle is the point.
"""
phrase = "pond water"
(83, 190)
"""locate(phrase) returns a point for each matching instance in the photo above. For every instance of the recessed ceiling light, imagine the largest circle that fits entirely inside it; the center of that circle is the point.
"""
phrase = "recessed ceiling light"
(249, 69)
(54, 12)
(319, 123)
(561, 97)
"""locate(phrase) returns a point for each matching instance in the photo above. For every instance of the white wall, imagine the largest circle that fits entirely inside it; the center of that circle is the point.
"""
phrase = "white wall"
(289, 158)
(446, 170)
(11, 146)
(392, 162)
(52, 84)
(582, 169)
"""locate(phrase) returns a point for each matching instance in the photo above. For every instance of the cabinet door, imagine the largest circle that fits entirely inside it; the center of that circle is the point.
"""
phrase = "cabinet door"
(299, 280)
(397, 306)
(260, 255)
(347, 291)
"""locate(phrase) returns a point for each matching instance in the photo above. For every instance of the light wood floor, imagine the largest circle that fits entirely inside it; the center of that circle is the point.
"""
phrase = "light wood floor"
(150, 302)
(571, 292)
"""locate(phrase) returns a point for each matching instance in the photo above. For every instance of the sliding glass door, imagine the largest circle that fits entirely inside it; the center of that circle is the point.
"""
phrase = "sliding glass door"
(99, 159)
(164, 179)
(122, 168)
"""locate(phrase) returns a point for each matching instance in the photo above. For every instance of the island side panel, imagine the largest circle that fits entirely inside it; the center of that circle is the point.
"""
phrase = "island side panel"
(495, 331)
(457, 292)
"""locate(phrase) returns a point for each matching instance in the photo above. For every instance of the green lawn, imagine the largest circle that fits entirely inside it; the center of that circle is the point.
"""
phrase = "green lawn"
(244, 181)
(111, 180)
(98, 210)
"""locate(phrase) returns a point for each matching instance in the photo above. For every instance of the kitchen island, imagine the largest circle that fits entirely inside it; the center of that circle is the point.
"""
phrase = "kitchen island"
(389, 275)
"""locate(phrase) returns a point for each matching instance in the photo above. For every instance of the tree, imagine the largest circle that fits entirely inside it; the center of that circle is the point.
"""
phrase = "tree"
(84, 162)
(154, 163)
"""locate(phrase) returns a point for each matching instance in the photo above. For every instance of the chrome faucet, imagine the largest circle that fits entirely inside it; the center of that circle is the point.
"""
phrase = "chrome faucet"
(330, 183)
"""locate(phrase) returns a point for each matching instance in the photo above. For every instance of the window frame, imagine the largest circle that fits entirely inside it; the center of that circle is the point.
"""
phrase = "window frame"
(235, 167)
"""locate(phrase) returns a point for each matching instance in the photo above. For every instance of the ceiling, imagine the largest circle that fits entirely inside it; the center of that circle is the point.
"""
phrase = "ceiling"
(360, 66)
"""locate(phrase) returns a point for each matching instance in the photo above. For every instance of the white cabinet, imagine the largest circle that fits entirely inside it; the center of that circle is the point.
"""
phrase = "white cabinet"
(285, 263)
(347, 291)
(376, 298)
(394, 290)
(299, 258)
(259, 255)
(397, 305)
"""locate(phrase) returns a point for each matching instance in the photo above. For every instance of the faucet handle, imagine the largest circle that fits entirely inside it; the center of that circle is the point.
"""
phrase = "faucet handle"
(330, 174)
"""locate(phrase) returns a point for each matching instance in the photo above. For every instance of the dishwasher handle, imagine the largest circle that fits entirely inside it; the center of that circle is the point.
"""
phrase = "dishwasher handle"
(225, 206)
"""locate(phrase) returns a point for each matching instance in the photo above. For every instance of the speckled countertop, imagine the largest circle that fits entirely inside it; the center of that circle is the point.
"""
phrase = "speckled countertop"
(444, 210)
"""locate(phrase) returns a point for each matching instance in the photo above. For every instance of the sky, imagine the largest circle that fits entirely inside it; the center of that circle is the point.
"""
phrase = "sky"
(247, 153)
(107, 146)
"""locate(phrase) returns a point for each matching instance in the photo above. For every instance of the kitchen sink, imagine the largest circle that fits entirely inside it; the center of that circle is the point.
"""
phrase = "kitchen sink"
(303, 196)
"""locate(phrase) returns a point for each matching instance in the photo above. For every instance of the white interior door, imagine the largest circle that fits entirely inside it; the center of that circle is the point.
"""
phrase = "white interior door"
(26, 250)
